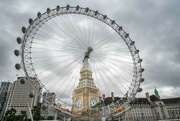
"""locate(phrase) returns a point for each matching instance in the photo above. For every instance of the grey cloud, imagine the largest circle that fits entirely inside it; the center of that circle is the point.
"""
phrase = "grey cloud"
(153, 25)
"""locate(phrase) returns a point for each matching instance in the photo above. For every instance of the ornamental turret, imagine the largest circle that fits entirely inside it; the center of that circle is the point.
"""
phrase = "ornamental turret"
(86, 94)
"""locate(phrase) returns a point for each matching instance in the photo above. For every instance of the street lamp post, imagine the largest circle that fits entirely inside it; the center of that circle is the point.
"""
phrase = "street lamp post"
(31, 95)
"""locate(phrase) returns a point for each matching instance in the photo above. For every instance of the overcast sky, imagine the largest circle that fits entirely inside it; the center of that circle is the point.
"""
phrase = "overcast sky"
(153, 24)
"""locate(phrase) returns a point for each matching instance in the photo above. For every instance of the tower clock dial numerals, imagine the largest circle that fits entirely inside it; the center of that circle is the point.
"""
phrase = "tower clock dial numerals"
(78, 103)
(93, 101)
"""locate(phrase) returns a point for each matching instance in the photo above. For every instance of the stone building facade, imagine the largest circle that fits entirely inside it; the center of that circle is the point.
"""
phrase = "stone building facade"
(19, 96)
(152, 108)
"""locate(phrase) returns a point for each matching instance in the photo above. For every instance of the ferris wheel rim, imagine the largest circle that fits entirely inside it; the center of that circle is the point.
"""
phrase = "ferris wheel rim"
(42, 18)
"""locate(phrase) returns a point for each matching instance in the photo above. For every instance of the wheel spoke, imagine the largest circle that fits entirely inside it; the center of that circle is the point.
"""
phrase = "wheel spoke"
(56, 45)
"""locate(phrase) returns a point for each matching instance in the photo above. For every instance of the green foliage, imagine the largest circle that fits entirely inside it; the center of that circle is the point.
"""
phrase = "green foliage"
(23, 116)
(42, 118)
(50, 117)
(36, 112)
(10, 115)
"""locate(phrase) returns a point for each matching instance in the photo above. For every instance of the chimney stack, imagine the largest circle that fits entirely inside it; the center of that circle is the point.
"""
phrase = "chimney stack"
(147, 97)
(112, 96)
(103, 97)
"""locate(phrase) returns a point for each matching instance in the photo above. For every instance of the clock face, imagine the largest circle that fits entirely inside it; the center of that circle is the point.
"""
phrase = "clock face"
(78, 103)
(93, 101)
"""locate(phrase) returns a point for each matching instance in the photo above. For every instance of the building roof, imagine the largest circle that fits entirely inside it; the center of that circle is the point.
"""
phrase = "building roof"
(166, 101)
(140, 101)
(106, 102)
(154, 98)
(109, 100)
(171, 100)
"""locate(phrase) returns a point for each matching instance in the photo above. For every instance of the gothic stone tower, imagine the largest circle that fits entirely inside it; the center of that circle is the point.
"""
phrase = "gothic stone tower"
(86, 94)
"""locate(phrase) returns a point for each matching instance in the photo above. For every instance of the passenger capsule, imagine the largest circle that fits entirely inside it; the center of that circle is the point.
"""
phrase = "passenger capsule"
(77, 8)
(31, 95)
(18, 40)
(139, 89)
(112, 22)
(140, 60)
(127, 35)
(48, 10)
(58, 8)
(141, 70)
(105, 16)
(137, 51)
(120, 28)
(39, 14)
(22, 81)
(40, 88)
(86, 10)
(17, 66)
(132, 43)
(30, 21)
(16, 52)
(24, 29)
(96, 12)
(141, 80)
(67, 7)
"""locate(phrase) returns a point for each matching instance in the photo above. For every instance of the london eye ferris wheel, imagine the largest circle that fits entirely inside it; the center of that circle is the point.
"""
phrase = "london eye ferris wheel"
(55, 44)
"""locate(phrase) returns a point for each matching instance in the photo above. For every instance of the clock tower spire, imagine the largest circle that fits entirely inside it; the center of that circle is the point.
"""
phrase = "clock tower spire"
(86, 94)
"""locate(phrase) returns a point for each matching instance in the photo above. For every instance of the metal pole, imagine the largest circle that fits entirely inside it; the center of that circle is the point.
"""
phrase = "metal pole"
(31, 117)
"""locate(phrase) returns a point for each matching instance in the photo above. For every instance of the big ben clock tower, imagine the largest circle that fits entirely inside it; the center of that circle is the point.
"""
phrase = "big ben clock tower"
(86, 94)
